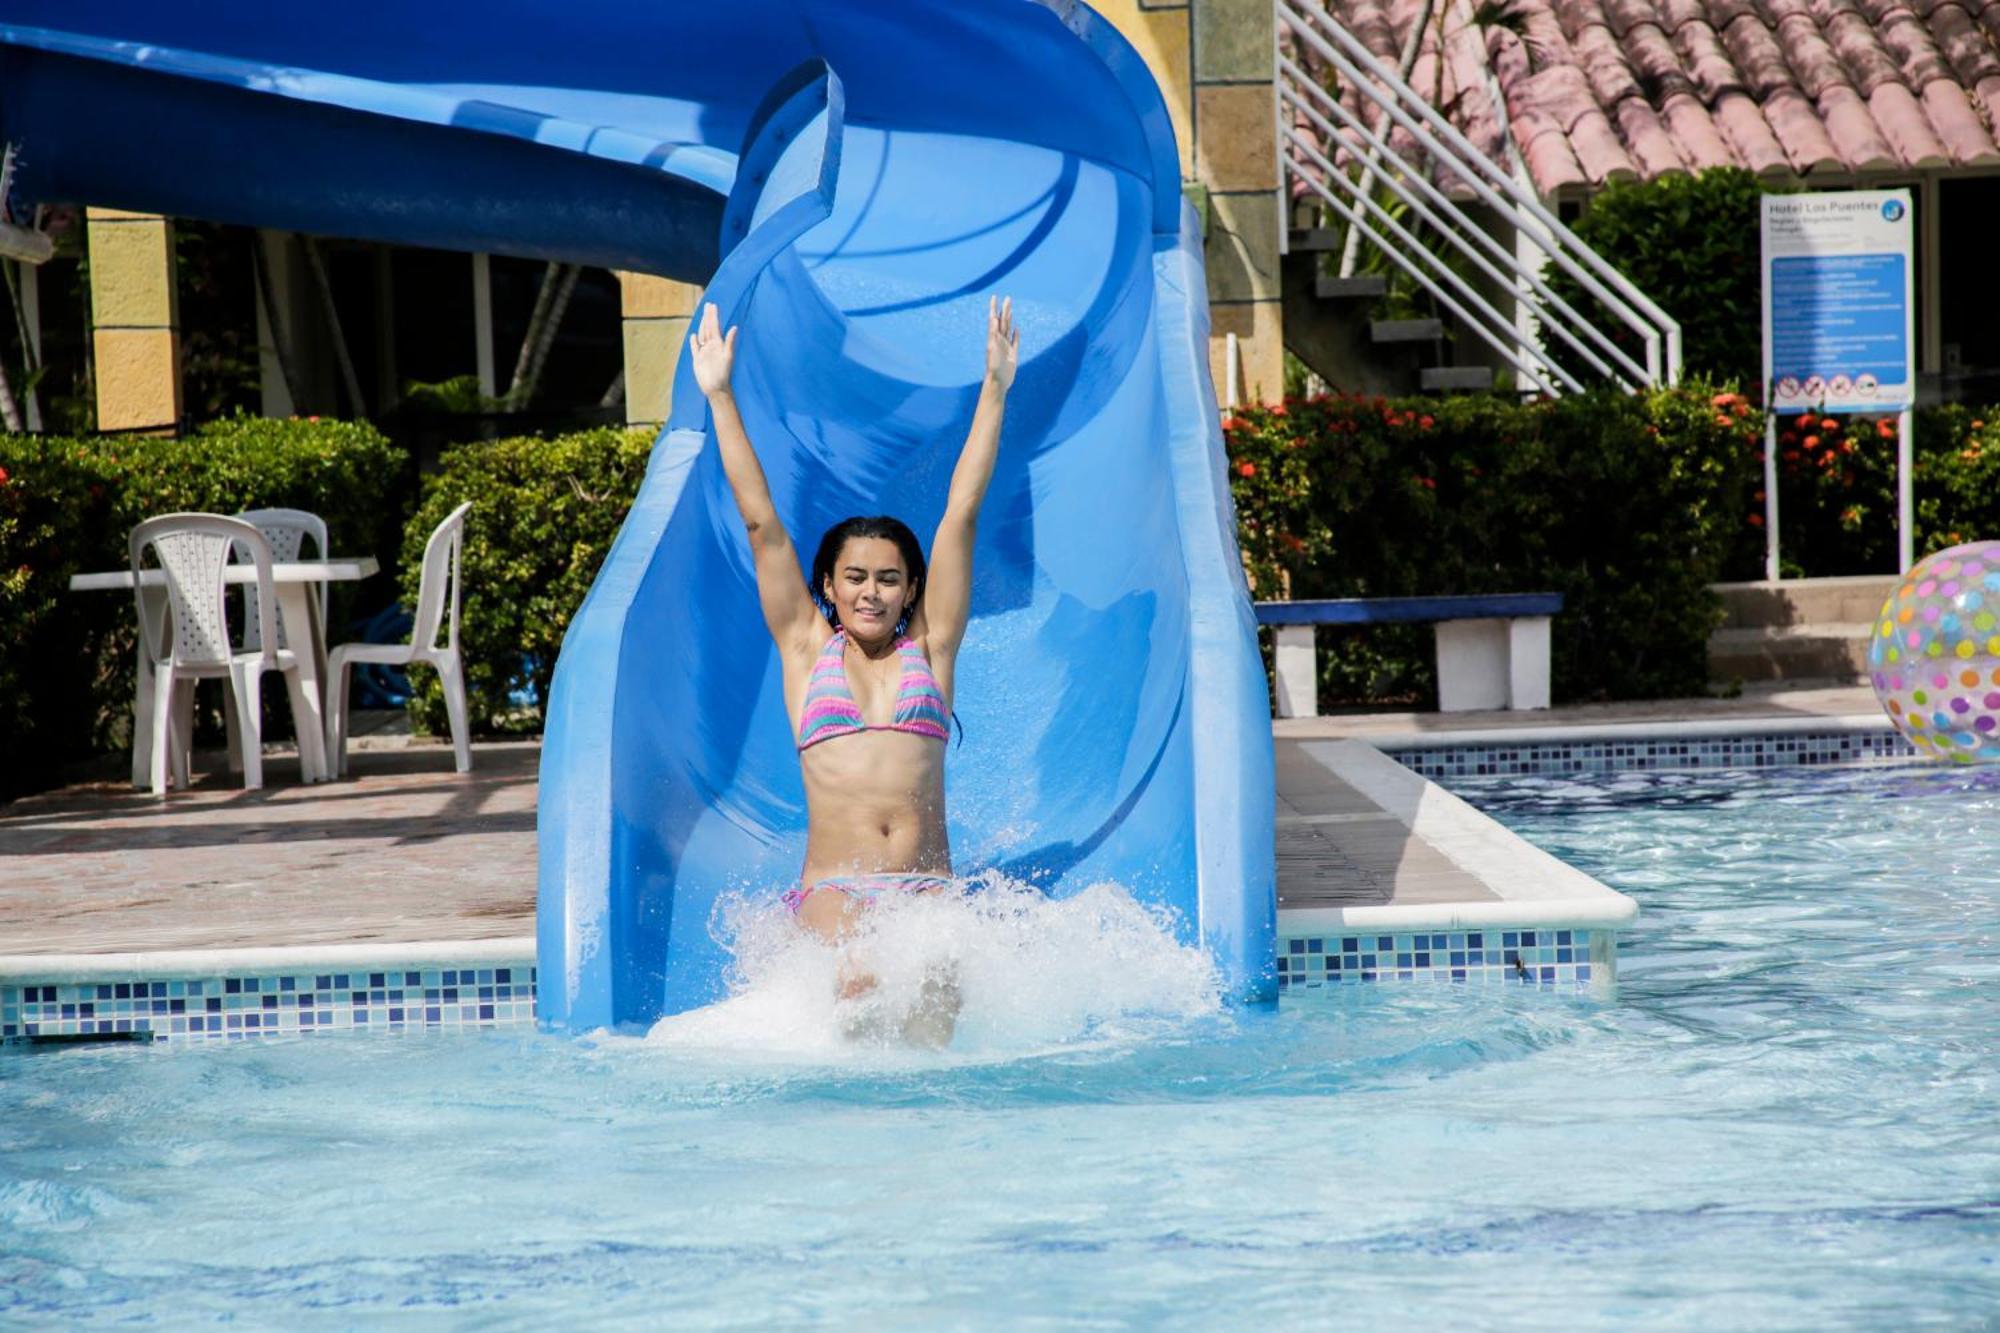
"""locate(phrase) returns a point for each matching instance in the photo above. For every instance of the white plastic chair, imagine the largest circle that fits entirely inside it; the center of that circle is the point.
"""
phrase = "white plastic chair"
(439, 584)
(287, 531)
(192, 550)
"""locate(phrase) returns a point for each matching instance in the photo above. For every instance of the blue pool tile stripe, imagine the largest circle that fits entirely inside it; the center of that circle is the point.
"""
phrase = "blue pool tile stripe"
(304, 1004)
(235, 1008)
(1557, 758)
(1536, 957)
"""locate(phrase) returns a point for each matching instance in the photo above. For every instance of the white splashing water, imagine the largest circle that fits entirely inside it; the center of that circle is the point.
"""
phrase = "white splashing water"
(1032, 973)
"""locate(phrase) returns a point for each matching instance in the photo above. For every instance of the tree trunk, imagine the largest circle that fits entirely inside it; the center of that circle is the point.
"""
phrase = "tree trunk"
(541, 333)
(545, 296)
(348, 379)
(10, 412)
(31, 361)
(281, 342)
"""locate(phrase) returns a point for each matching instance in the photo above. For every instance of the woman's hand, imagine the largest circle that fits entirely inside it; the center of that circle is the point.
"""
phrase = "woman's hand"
(714, 354)
(1003, 343)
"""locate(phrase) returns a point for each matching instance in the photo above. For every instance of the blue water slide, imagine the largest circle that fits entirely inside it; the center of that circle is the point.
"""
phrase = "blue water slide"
(850, 181)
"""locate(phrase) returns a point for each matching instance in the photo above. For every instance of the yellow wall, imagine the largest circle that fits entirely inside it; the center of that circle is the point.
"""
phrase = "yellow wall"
(135, 339)
(658, 312)
(1215, 61)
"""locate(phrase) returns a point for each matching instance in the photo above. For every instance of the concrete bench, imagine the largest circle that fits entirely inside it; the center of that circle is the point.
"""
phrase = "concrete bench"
(1492, 651)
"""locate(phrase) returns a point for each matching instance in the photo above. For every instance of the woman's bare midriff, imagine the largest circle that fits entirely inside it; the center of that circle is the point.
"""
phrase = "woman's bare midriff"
(876, 803)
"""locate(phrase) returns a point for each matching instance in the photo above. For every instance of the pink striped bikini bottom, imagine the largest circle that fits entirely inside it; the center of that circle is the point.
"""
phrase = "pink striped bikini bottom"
(866, 888)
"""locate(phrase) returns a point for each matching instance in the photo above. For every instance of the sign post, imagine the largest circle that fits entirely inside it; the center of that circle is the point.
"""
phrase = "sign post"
(1839, 325)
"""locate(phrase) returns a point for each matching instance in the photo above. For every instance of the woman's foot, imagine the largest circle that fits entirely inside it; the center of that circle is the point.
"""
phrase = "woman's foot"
(852, 981)
(934, 1018)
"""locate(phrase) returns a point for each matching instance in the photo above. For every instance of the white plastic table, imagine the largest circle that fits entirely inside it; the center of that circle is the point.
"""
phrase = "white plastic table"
(293, 582)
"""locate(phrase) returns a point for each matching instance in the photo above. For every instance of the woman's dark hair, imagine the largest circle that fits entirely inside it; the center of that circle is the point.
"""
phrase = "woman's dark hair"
(889, 529)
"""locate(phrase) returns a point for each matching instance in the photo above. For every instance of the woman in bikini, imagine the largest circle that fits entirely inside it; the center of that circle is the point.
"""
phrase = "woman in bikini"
(868, 650)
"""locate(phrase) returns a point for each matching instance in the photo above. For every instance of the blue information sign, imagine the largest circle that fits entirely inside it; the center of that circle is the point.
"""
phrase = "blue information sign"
(1838, 328)
(1839, 325)
(1837, 317)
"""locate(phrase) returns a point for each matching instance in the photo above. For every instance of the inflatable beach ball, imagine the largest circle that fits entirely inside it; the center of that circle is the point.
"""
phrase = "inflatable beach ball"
(1935, 654)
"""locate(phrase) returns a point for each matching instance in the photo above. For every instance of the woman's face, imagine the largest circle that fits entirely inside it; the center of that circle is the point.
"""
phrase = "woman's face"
(869, 587)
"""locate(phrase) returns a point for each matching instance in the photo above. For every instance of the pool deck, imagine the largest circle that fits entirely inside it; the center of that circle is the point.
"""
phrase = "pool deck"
(1337, 847)
(403, 850)
(406, 850)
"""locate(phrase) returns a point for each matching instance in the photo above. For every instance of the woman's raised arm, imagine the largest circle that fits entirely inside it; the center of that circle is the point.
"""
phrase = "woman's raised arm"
(789, 611)
(948, 600)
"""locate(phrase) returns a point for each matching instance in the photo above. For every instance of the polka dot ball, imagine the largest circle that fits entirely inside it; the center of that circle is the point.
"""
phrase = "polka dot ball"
(1934, 655)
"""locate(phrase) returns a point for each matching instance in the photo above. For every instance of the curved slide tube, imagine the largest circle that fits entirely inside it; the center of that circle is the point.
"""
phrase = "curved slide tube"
(850, 181)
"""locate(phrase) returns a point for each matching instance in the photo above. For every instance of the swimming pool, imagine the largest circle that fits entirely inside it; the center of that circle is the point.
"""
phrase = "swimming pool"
(1786, 1118)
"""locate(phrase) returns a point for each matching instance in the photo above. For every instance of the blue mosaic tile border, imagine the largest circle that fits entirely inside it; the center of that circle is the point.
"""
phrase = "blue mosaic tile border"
(1538, 957)
(1553, 758)
(236, 1007)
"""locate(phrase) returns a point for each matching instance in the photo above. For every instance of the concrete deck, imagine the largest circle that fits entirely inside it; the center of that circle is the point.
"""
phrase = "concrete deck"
(1339, 848)
(407, 850)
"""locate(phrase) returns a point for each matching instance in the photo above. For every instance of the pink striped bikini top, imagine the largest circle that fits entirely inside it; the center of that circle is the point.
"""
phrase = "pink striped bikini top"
(831, 711)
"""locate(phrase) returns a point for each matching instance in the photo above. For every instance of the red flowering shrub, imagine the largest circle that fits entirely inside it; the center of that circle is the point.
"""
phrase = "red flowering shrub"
(1630, 505)
(1837, 498)
(1623, 503)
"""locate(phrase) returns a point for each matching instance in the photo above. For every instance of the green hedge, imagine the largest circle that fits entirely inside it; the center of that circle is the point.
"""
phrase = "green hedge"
(69, 504)
(544, 513)
(1691, 243)
(1624, 504)
(1629, 505)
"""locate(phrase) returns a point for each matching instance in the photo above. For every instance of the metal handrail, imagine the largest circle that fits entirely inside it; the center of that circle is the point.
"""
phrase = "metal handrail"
(1521, 272)
(1659, 332)
(1531, 275)
(1510, 347)
(1469, 164)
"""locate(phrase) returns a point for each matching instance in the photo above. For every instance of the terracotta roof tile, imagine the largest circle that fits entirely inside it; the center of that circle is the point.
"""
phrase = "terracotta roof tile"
(1598, 90)
(1963, 46)
(1603, 64)
(1853, 37)
(1695, 131)
(1988, 17)
(1908, 38)
(1596, 144)
(1658, 65)
(1743, 125)
(1473, 107)
(1861, 141)
(1371, 21)
(1908, 130)
(1986, 97)
(1801, 133)
(1715, 75)
(1947, 107)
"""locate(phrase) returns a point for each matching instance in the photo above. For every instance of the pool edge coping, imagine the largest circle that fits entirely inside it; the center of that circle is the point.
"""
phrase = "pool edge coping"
(1586, 732)
(183, 964)
(1512, 867)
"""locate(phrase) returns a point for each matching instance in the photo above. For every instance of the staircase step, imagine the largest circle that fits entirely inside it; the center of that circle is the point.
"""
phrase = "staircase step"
(1369, 287)
(1848, 600)
(1456, 379)
(1827, 652)
(1406, 330)
(1313, 238)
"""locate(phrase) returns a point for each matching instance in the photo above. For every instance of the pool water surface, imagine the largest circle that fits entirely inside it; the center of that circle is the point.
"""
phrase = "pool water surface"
(1785, 1117)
